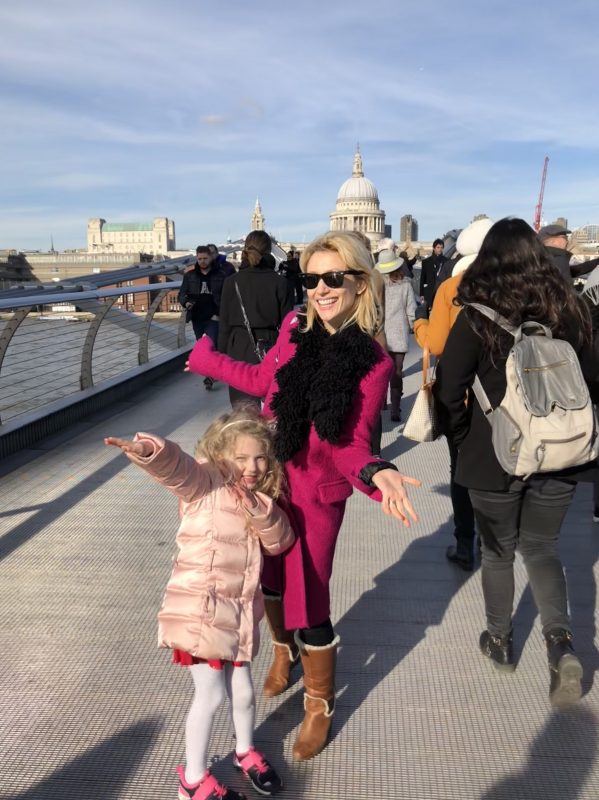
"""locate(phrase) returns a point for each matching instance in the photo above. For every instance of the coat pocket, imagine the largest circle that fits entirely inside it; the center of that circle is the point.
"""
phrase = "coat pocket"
(334, 491)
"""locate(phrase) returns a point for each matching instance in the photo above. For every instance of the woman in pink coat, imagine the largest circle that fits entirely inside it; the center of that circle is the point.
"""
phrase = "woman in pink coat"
(213, 604)
(324, 382)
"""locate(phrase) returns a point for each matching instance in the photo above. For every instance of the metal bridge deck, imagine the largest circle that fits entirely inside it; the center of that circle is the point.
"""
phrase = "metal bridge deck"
(92, 709)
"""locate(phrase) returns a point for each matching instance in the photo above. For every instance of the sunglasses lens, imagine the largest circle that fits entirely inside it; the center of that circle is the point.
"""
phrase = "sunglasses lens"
(334, 280)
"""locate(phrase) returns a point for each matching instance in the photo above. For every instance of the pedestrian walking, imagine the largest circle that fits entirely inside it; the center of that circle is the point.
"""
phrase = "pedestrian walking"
(213, 602)
(254, 303)
(200, 296)
(400, 309)
(324, 382)
(432, 333)
(513, 276)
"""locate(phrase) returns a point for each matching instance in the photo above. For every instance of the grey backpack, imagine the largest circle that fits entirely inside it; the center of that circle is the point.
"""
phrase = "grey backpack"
(546, 420)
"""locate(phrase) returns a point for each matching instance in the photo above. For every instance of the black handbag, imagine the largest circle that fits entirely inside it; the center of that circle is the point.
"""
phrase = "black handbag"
(261, 346)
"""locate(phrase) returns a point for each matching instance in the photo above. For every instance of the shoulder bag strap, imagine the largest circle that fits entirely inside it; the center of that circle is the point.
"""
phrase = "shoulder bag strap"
(246, 321)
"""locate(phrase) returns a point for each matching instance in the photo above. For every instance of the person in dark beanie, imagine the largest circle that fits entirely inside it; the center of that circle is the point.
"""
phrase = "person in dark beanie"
(430, 272)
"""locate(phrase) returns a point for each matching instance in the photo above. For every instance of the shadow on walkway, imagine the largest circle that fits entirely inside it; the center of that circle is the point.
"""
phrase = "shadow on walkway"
(555, 768)
(396, 612)
(101, 771)
(50, 512)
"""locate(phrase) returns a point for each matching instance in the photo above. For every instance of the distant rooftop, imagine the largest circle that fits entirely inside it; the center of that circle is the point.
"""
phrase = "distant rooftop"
(121, 227)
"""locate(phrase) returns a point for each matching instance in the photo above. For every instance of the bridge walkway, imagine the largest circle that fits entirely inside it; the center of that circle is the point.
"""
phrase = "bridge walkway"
(92, 708)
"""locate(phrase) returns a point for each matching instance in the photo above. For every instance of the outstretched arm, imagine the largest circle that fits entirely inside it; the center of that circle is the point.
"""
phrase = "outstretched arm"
(253, 379)
(167, 463)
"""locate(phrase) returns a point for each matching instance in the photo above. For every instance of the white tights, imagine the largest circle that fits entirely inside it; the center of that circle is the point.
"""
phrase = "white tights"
(211, 686)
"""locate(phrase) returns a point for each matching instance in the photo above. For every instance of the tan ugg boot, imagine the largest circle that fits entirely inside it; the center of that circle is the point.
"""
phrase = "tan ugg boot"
(285, 650)
(319, 698)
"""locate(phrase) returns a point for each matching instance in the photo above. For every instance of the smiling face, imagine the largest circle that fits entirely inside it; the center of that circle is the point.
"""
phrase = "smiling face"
(333, 306)
(250, 459)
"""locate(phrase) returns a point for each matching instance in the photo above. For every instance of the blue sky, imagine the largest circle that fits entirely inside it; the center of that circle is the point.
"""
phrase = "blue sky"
(189, 109)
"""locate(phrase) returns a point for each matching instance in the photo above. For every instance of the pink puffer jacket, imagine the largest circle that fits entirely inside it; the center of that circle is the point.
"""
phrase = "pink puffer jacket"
(213, 602)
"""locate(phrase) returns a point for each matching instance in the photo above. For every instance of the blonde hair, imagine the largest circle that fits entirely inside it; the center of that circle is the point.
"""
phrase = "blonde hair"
(220, 437)
(352, 250)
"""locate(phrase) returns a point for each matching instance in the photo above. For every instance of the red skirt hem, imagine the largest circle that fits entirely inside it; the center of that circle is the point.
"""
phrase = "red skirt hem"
(186, 660)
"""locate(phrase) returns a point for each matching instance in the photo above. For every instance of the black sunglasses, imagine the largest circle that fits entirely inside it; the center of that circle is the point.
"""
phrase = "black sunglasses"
(334, 280)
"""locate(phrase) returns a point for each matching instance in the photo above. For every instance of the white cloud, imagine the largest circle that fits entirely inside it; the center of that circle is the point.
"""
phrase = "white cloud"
(190, 110)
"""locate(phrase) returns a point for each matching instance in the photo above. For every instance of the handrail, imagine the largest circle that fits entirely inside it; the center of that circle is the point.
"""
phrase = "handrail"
(47, 356)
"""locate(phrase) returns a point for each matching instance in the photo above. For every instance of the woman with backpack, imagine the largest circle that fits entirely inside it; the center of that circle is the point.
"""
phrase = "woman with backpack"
(513, 276)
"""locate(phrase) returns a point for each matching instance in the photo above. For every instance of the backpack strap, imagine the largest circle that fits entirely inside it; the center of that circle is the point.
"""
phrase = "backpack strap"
(496, 318)
(483, 399)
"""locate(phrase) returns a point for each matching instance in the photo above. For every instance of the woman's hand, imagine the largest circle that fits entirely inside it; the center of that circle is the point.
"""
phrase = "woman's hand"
(395, 500)
(203, 345)
(141, 449)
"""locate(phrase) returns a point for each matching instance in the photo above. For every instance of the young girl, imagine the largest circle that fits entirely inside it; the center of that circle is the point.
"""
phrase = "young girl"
(400, 308)
(213, 603)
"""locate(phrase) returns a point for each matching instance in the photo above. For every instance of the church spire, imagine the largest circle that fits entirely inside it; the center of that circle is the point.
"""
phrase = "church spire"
(258, 221)
(358, 170)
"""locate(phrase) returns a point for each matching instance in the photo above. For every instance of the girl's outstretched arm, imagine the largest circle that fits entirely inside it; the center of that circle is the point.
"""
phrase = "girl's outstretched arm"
(167, 463)
(143, 449)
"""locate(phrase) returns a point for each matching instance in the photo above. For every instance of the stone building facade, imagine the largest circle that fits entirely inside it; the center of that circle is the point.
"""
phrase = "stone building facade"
(156, 237)
(358, 207)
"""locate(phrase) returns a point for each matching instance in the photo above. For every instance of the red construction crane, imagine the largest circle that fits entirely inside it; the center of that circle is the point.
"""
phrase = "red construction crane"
(539, 208)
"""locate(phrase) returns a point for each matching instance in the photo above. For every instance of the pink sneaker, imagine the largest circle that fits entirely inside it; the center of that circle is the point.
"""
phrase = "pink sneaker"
(207, 789)
(258, 771)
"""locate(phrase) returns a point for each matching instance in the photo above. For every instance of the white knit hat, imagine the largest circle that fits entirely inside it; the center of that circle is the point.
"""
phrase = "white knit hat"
(469, 243)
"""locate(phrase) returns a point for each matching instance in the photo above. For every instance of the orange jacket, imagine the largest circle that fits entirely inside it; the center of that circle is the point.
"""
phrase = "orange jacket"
(433, 332)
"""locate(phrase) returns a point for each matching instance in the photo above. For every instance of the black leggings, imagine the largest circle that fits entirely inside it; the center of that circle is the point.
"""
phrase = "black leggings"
(396, 382)
(317, 635)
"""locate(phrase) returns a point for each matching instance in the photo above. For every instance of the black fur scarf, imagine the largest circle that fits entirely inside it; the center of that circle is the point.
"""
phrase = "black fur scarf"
(318, 385)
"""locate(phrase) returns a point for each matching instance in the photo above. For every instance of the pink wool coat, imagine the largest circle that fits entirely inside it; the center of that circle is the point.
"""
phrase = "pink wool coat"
(321, 476)
(213, 601)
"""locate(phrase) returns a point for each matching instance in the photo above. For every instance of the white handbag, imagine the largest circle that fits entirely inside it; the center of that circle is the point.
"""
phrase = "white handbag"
(423, 424)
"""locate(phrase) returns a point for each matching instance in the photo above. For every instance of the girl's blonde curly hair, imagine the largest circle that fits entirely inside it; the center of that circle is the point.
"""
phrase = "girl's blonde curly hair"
(220, 437)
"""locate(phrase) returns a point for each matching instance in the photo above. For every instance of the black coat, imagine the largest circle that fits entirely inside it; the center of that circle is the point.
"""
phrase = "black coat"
(190, 292)
(430, 270)
(561, 258)
(465, 356)
(267, 298)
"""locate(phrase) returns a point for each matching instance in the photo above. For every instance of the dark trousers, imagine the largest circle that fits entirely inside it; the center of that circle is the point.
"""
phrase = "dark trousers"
(463, 514)
(205, 326)
(529, 515)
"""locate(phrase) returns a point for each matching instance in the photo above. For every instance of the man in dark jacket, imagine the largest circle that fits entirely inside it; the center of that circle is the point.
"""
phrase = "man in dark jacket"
(291, 270)
(555, 240)
(430, 273)
(200, 295)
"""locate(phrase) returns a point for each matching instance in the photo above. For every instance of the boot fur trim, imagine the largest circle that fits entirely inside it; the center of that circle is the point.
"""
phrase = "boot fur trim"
(327, 712)
(293, 658)
(303, 646)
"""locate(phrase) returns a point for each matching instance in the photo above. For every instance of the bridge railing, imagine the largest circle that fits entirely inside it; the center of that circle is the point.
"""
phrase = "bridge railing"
(54, 348)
